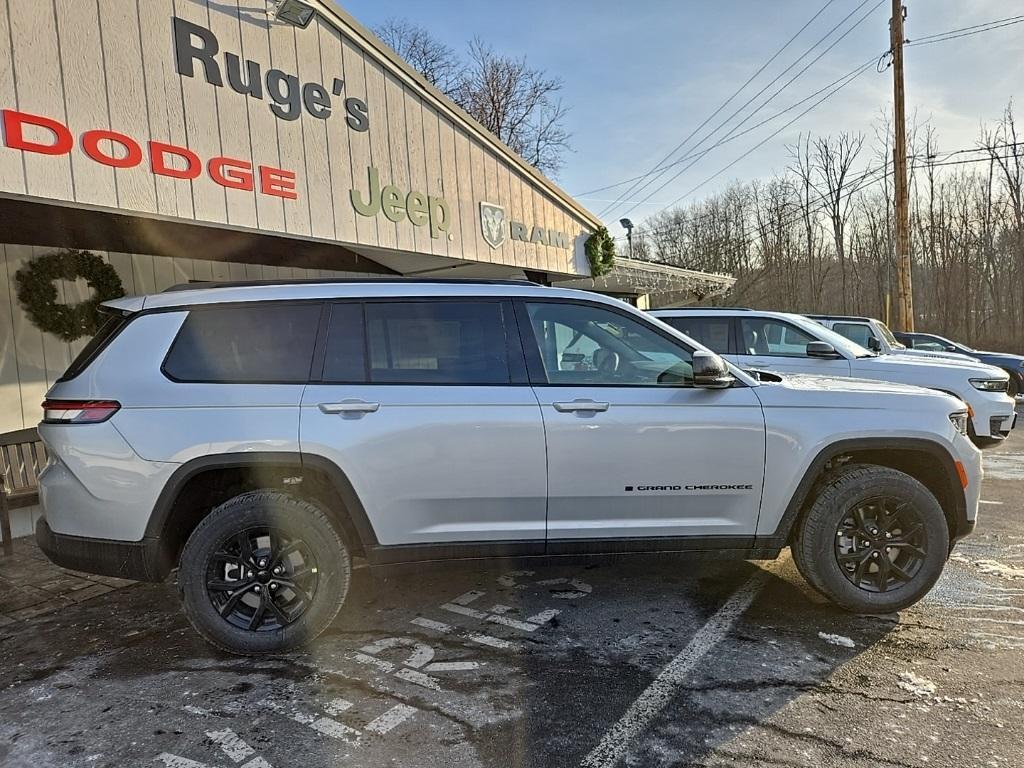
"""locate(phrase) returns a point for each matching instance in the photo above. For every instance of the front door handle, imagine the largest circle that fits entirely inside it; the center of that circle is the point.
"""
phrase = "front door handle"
(349, 406)
(580, 405)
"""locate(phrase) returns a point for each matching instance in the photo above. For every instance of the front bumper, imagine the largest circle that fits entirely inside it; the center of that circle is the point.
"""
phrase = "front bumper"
(993, 415)
(136, 560)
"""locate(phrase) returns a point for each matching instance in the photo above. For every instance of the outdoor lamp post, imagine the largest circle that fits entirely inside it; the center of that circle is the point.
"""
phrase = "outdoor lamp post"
(629, 234)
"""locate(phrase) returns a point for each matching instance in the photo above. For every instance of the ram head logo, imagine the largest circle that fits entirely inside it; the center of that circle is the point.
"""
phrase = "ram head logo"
(492, 223)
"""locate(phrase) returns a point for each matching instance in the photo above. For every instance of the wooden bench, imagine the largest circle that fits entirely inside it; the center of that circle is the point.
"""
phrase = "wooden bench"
(22, 458)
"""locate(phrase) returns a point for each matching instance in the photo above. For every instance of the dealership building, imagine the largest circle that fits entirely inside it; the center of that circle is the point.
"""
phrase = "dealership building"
(186, 140)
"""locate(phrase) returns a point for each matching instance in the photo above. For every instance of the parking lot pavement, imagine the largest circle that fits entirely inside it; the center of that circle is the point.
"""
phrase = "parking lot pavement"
(635, 663)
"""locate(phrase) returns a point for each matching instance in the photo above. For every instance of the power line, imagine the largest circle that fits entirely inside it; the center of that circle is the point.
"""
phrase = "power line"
(977, 29)
(769, 99)
(732, 137)
(659, 167)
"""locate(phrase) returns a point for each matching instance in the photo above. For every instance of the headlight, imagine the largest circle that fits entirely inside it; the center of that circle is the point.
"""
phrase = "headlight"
(990, 385)
(959, 420)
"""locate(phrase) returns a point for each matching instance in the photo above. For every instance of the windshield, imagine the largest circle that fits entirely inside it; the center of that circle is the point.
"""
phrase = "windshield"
(889, 337)
(841, 343)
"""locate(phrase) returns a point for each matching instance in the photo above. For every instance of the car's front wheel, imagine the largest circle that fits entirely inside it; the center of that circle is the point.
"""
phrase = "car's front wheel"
(874, 540)
(263, 573)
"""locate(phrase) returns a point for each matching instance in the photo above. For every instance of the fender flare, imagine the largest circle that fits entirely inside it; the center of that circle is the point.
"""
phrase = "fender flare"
(182, 475)
(958, 515)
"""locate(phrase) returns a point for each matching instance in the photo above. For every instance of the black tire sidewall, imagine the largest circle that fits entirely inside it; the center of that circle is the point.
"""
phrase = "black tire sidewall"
(822, 522)
(298, 518)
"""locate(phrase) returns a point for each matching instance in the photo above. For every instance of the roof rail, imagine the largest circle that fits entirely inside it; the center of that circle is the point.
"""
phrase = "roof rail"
(703, 309)
(862, 318)
(340, 281)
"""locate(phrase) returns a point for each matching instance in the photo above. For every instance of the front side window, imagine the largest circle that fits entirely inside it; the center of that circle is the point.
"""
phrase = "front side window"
(594, 346)
(858, 333)
(256, 344)
(712, 332)
(437, 342)
(768, 336)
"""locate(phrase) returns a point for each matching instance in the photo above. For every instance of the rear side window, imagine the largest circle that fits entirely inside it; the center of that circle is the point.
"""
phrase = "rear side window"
(859, 333)
(345, 358)
(712, 332)
(104, 335)
(264, 344)
(437, 343)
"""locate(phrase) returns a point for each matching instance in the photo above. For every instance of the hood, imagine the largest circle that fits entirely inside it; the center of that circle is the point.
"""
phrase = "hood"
(903, 363)
(841, 394)
(815, 383)
(929, 354)
(1003, 358)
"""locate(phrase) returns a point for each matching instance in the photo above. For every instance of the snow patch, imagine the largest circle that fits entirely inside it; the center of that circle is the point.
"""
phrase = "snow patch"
(996, 568)
(919, 686)
(840, 640)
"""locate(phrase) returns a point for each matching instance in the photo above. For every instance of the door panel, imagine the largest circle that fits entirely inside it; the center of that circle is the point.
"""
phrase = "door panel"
(633, 449)
(438, 441)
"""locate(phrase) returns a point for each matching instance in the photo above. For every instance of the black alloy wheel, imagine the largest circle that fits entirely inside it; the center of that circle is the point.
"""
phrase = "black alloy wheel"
(881, 544)
(262, 579)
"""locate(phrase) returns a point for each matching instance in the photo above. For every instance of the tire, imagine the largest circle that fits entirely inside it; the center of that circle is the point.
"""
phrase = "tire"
(878, 574)
(302, 584)
(1013, 388)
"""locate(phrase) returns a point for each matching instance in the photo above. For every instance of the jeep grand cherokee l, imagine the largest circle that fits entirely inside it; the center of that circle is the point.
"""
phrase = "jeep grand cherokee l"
(256, 437)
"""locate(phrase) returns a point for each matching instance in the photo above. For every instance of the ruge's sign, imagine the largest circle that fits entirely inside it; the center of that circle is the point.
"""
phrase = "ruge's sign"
(195, 44)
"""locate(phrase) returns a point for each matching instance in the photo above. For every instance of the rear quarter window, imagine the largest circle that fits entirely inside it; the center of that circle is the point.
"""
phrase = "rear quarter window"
(110, 327)
(254, 344)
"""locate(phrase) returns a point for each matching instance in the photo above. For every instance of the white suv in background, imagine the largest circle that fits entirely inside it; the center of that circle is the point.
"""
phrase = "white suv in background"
(256, 436)
(875, 335)
(788, 343)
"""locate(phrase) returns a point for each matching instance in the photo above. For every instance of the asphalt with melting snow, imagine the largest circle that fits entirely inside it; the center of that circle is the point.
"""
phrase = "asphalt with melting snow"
(634, 663)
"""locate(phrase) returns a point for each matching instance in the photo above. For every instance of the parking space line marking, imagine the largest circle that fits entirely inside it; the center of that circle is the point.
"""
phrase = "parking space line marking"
(544, 616)
(174, 761)
(475, 637)
(337, 706)
(334, 729)
(494, 642)
(257, 762)
(452, 666)
(383, 666)
(467, 598)
(413, 676)
(660, 692)
(231, 745)
(437, 626)
(525, 626)
(463, 610)
(394, 717)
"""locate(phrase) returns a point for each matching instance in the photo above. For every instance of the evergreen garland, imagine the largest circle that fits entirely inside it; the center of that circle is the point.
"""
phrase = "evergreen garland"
(600, 250)
(38, 294)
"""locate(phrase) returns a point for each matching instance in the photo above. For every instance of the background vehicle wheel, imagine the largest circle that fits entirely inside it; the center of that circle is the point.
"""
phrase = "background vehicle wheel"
(874, 541)
(263, 573)
(1013, 388)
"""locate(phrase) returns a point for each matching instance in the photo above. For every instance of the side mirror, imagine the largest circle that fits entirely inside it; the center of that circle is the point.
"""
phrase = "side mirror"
(874, 344)
(822, 350)
(710, 371)
(951, 348)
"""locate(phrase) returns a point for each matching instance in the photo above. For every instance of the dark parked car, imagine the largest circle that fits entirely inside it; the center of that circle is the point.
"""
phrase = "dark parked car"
(1012, 364)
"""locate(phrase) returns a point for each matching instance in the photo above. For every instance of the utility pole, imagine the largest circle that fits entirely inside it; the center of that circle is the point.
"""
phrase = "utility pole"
(905, 285)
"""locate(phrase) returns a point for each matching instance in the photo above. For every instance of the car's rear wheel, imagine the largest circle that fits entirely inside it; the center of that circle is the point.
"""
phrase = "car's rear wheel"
(875, 540)
(263, 573)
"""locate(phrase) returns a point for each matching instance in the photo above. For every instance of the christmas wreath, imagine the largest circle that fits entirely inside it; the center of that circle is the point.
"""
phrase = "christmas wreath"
(38, 294)
(600, 250)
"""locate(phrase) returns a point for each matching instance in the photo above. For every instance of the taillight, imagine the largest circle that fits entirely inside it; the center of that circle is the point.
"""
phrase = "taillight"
(78, 411)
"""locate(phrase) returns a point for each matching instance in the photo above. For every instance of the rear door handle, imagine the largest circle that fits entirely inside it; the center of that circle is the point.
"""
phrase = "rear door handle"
(349, 406)
(580, 405)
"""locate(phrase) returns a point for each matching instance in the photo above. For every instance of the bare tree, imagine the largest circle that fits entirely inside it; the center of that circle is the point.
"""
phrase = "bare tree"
(438, 63)
(834, 159)
(516, 102)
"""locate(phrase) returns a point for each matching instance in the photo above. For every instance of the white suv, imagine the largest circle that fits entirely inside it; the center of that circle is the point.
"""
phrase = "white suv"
(787, 343)
(256, 437)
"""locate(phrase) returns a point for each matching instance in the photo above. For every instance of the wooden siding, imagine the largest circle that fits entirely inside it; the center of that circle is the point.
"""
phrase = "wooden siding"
(109, 64)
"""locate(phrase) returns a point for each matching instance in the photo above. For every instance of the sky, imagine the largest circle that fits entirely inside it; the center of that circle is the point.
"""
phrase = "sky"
(639, 77)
